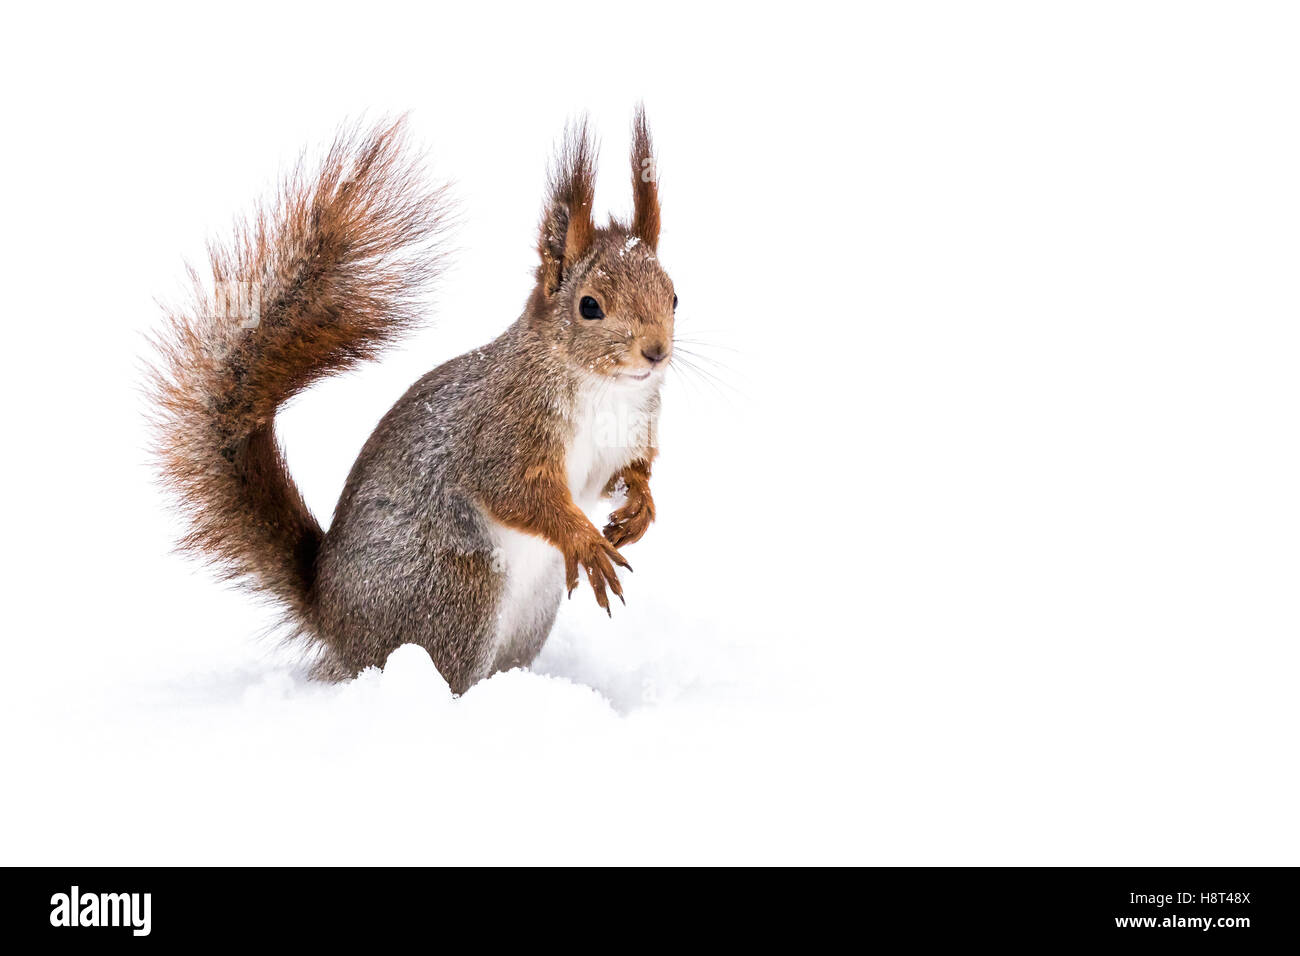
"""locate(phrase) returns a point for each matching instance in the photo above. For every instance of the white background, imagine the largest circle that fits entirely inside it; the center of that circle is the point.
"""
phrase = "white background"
(982, 548)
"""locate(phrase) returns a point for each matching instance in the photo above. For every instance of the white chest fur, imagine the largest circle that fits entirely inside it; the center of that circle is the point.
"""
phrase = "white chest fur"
(613, 425)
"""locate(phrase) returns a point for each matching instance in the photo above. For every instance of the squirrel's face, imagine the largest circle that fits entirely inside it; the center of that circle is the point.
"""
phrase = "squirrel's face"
(614, 315)
(605, 303)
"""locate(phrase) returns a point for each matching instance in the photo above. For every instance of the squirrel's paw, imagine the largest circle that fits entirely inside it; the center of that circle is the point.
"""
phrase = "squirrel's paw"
(598, 556)
(630, 522)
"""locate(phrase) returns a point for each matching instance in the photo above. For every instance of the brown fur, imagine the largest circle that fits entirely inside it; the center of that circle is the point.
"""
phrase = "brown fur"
(567, 225)
(480, 448)
(333, 266)
(628, 523)
(645, 182)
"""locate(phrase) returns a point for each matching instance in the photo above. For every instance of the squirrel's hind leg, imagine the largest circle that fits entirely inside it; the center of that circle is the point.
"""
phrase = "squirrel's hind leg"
(383, 583)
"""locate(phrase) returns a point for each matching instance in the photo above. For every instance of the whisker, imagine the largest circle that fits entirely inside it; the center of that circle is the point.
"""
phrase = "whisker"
(717, 363)
(718, 385)
(705, 343)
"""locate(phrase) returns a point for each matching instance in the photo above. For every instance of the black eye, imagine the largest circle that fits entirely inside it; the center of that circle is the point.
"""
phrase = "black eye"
(590, 308)
(674, 303)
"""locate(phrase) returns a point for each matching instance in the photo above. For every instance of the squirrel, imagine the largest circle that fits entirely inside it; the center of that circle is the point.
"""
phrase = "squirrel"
(463, 521)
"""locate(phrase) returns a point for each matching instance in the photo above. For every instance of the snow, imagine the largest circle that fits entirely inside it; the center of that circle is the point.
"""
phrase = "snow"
(982, 549)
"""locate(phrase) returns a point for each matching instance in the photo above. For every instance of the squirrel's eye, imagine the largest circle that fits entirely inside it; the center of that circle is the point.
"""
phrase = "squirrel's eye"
(674, 303)
(590, 308)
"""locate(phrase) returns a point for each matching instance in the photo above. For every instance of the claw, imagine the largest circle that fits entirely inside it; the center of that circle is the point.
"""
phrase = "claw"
(615, 586)
(597, 577)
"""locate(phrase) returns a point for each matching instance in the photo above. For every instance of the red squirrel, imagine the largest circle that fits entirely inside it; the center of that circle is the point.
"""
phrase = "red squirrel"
(463, 521)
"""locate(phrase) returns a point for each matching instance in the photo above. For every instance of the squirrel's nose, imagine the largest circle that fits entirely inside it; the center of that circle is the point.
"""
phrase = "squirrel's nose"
(655, 353)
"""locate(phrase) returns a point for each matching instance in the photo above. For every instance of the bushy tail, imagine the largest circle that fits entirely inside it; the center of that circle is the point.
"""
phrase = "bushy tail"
(322, 276)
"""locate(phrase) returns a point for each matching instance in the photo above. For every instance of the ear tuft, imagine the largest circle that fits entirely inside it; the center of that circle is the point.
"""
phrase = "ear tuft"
(567, 226)
(645, 182)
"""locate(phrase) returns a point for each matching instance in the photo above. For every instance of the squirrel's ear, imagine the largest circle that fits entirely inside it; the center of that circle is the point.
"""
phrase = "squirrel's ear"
(567, 226)
(645, 182)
